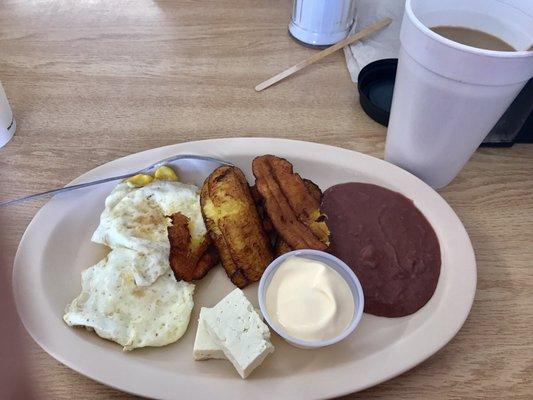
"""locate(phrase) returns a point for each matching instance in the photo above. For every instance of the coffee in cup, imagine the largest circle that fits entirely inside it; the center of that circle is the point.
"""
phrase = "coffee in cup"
(448, 94)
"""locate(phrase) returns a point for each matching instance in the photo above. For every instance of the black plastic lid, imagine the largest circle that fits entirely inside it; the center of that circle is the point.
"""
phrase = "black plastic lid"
(376, 85)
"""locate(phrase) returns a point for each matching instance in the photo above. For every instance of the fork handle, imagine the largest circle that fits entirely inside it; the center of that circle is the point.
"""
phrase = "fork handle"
(116, 178)
(65, 189)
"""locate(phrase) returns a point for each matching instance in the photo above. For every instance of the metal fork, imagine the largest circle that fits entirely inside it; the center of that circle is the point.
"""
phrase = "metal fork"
(145, 170)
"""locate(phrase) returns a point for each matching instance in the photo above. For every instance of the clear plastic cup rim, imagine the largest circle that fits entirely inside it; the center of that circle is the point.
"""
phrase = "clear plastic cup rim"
(337, 265)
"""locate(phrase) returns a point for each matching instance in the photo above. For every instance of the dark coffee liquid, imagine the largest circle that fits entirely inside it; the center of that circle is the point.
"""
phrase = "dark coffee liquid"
(473, 37)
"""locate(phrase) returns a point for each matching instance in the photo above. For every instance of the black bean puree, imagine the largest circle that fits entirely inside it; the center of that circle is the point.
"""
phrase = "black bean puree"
(387, 242)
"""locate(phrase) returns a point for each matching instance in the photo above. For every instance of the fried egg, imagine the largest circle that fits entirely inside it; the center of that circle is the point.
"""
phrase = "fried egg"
(132, 296)
(138, 218)
(116, 308)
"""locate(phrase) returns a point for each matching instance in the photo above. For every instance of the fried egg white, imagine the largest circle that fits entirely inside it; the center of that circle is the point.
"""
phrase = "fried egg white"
(138, 218)
(134, 316)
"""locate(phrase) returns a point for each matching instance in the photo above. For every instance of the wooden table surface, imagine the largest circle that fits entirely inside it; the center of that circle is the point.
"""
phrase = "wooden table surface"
(93, 80)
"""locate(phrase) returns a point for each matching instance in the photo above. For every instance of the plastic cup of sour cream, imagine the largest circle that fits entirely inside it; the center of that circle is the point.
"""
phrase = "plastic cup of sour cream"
(310, 298)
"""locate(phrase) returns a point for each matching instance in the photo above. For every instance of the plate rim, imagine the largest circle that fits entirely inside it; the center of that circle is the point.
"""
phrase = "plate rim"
(93, 173)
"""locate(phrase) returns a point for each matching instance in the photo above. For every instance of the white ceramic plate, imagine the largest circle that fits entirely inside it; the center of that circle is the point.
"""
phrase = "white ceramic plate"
(56, 248)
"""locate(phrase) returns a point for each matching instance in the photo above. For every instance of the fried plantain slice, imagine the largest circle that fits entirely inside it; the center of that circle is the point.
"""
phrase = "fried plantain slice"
(263, 216)
(189, 262)
(234, 225)
(290, 204)
(275, 240)
(313, 189)
(280, 246)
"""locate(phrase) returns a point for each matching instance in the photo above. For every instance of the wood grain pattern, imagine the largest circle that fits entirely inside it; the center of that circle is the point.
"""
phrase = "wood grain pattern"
(324, 53)
(90, 81)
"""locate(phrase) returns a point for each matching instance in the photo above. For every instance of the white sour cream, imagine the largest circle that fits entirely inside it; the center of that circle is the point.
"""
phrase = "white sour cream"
(309, 300)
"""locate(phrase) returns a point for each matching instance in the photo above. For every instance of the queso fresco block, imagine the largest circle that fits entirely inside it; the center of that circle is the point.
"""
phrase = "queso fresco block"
(238, 330)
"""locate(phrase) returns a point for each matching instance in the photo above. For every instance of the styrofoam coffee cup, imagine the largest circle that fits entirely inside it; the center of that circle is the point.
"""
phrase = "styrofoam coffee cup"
(7, 122)
(448, 96)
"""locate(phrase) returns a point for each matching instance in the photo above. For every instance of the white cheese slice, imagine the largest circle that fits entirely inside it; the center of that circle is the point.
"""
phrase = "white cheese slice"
(204, 346)
(236, 327)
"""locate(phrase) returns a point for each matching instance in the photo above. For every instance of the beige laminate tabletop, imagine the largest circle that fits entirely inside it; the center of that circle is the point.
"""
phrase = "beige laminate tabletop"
(93, 80)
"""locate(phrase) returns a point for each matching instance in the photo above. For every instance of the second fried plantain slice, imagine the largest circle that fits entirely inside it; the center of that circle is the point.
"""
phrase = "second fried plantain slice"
(279, 245)
(234, 225)
(291, 205)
